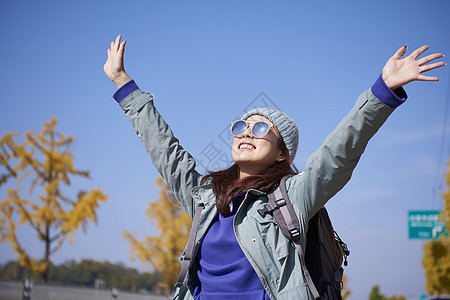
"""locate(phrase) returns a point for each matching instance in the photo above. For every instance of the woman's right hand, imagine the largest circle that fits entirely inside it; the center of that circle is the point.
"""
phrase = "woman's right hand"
(114, 67)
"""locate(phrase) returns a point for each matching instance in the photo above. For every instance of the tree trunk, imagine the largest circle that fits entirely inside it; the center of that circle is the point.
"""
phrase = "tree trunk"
(47, 253)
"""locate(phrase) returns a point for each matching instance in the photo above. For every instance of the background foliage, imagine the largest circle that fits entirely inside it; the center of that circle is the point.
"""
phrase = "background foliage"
(173, 225)
(436, 260)
(85, 273)
(46, 160)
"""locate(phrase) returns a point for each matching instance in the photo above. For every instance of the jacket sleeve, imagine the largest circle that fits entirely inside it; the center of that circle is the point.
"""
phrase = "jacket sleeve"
(330, 167)
(175, 165)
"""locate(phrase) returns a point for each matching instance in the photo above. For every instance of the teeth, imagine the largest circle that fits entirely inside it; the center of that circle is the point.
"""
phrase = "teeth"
(247, 146)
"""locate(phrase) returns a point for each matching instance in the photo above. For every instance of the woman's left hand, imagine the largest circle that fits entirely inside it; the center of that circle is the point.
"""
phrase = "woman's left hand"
(114, 66)
(398, 72)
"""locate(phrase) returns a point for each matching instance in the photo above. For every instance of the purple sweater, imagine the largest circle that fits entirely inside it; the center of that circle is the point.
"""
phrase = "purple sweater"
(223, 271)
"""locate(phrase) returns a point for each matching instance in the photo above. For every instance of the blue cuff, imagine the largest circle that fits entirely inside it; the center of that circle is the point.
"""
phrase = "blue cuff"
(125, 90)
(386, 95)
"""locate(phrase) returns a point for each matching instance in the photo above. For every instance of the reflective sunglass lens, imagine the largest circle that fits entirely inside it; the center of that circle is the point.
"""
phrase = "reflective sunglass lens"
(238, 127)
(260, 129)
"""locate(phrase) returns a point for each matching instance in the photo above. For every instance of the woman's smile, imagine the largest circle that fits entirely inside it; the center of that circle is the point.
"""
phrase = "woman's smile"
(246, 146)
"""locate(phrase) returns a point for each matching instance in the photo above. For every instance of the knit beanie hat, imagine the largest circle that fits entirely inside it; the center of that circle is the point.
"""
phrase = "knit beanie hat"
(285, 125)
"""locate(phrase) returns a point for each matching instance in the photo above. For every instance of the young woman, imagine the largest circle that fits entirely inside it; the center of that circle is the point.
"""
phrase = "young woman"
(238, 253)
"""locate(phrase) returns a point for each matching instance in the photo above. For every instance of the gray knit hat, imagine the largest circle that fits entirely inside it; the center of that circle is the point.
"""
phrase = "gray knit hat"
(285, 125)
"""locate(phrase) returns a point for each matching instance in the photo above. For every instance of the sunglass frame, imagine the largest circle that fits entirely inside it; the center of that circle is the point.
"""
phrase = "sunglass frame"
(251, 125)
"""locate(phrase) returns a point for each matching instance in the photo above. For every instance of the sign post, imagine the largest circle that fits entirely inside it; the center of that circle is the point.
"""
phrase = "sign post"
(425, 224)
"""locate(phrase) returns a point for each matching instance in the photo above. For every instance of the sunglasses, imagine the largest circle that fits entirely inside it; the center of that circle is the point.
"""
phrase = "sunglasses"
(258, 129)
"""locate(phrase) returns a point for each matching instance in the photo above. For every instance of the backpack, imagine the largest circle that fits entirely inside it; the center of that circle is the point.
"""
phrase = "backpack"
(324, 252)
(322, 260)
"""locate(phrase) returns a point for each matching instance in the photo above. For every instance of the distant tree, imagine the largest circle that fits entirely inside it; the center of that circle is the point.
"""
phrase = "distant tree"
(399, 297)
(346, 292)
(148, 281)
(436, 261)
(376, 295)
(445, 216)
(85, 273)
(11, 270)
(163, 251)
(46, 158)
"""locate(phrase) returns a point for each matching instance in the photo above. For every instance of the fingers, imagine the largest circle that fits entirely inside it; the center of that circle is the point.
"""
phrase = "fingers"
(424, 60)
(400, 52)
(115, 45)
(429, 67)
(429, 58)
(122, 47)
(117, 42)
(427, 78)
(419, 51)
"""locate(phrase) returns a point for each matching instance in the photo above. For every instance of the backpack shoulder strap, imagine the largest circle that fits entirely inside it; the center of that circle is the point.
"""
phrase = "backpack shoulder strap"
(281, 208)
(189, 246)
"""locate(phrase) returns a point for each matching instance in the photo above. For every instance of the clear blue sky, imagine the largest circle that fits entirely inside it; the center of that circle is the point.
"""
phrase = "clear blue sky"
(206, 61)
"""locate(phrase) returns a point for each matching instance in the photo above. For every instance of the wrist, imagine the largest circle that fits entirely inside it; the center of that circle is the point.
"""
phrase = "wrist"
(389, 83)
(386, 95)
(120, 79)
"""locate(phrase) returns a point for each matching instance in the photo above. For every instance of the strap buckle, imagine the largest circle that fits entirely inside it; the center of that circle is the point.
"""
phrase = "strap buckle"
(270, 207)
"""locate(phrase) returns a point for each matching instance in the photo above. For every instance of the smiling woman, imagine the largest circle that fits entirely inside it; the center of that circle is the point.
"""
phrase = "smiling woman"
(256, 154)
(239, 253)
(260, 161)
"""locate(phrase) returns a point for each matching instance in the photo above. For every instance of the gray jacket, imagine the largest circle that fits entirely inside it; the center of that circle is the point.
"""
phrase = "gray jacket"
(328, 169)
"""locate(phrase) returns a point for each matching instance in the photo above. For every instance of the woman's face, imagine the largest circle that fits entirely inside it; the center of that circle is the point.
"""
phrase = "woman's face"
(255, 155)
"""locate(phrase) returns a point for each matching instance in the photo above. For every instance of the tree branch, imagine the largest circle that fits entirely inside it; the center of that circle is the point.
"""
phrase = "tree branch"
(35, 227)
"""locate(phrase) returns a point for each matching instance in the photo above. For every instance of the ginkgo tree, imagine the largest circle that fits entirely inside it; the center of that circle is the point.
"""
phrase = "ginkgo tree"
(163, 251)
(44, 161)
(346, 292)
(436, 261)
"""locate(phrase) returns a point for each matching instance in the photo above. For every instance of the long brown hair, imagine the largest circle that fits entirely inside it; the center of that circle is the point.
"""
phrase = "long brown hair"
(226, 184)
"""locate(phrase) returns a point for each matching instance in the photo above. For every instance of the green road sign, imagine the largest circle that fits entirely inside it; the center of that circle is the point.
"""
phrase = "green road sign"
(425, 224)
